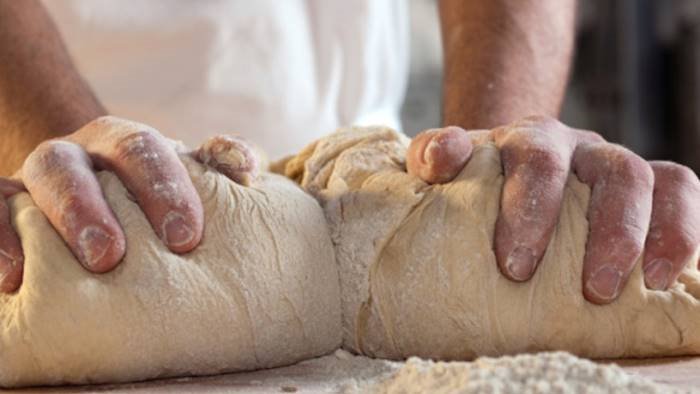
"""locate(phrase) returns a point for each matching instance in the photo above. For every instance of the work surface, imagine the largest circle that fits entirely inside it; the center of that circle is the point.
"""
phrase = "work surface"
(681, 372)
(310, 377)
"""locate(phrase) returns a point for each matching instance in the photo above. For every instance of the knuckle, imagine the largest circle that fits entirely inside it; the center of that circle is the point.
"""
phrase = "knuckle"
(451, 130)
(538, 119)
(136, 145)
(588, 136)
(535, 124)
(624, 164)
(536, 158)
(53, 152)
(51, 155)
(106, 120)
(674, 171)
(115, 124)
(547, 159)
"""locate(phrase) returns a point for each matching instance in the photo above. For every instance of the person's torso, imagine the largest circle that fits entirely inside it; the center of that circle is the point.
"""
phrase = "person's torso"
(280, 73)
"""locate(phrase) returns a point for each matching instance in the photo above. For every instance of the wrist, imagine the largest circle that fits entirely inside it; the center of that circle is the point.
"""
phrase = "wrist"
(24, 133)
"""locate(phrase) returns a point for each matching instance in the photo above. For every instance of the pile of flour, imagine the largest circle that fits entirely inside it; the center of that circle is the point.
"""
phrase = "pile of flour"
(554, 372)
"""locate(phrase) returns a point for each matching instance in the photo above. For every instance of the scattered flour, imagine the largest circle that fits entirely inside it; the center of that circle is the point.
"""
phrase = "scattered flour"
(557, 372)
(342, 372)
(551, 372)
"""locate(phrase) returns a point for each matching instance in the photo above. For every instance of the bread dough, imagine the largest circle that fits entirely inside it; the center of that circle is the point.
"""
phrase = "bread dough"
(260, 291)
(419, 277)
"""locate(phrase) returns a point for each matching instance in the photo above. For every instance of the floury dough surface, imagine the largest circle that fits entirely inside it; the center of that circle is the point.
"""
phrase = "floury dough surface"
(419, 278)
(260, 291)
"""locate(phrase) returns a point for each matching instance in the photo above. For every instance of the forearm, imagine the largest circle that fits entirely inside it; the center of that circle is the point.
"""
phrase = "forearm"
(504, 59)
(41, 93)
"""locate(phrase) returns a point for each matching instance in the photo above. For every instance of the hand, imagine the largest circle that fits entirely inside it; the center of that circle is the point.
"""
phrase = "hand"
(634, 204)
(60, 177)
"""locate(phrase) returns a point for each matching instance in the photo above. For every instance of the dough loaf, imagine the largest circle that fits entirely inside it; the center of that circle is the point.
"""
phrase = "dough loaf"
(260, 291)
(419, 277)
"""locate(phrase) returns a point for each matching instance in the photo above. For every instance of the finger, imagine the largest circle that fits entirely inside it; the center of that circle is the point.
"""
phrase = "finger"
(10, 187)
(11, 256)
(438, 155)
(535, 155)
(619, 214)
(150, 169)
(674, 232)
(231, 156)
(59, 177)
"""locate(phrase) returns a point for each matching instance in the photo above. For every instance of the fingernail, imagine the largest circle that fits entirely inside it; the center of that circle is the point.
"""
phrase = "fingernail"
(521, 263)
(657, 274)
(94, 243)
(176, 231)
(429, 153)
(605, 283)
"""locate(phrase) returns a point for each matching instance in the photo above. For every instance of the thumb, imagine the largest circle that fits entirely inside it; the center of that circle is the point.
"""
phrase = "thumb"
(438, 155)
(232, 156)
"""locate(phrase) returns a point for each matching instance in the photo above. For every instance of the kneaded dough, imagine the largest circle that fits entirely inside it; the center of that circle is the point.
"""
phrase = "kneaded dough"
(260, 291)
(419, 276)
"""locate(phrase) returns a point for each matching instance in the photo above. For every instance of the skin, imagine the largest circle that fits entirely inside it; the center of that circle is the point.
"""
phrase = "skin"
(56, 136)
(42, 96)
(634, 204)
(504, 60)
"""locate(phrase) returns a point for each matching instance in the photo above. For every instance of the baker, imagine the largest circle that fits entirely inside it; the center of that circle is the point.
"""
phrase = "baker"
(283, 73)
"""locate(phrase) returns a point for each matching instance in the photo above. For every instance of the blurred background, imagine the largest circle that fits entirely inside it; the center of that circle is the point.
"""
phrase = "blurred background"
(635, 76)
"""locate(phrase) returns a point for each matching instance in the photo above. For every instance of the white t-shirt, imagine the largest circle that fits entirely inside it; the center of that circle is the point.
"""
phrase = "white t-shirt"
(280, 73)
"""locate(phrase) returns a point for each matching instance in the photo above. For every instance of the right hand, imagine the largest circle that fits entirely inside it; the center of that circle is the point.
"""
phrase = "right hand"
(635, 205)
(60, 176)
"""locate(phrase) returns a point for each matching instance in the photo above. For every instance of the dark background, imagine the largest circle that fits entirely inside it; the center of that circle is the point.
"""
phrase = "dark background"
(635, 76)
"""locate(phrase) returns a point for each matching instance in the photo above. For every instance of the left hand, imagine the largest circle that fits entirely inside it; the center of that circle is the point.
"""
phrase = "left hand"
(62, 170)
(635, 205)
